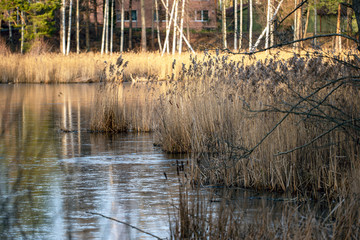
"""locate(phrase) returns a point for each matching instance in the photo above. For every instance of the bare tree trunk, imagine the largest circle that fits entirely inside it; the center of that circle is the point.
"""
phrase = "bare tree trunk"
(315, 22)
(307, 21)
(22, 32)
(157, 24)
(166, 42)
(272, 24)
(299, 27)
(77, 27)
(104, 29)
(95, 17)
(181, 25)
(348, 25)
(130, 24)
(69, 29)
(167, 24)
(251, 23)
(152, 26)
(175, 25)
(241, 25)
(107, 27)
(87, 25)
(235, 25)
(338, 30)
(295, 27)
(63, 28)
(223, 19)
(112, 27)
(10, 30)
(122, 27)
(143, 26)
(267, 24)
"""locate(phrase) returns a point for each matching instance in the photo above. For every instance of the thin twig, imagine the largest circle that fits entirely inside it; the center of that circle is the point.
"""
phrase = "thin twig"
(127, 224)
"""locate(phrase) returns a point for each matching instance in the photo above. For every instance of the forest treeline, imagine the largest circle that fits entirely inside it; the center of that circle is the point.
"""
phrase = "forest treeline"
(75, 25)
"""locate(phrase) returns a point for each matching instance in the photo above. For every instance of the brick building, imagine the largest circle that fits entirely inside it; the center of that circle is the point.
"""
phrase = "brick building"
(199, 14)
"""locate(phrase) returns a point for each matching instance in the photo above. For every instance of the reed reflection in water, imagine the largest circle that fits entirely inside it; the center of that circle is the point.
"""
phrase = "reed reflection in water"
(50, 178)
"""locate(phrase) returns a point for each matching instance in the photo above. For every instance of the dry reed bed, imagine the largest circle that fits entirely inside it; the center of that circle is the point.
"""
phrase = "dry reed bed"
(195, 217)
(245, 124)
(281, 125)
(57, 68)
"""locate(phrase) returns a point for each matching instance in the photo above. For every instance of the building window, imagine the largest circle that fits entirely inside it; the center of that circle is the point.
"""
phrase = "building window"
(202, 16)
(126, 16)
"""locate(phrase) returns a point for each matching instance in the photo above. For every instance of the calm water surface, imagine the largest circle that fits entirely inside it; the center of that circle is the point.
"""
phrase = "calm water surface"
(50, 180)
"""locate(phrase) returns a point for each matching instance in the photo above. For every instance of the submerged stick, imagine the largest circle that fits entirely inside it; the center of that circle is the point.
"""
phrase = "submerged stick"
(127, 224)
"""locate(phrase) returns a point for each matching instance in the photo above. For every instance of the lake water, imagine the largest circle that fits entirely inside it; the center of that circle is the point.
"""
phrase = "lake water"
(53, 183)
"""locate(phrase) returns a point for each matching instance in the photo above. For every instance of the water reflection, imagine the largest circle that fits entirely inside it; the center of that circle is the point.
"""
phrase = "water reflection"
(53, 172)
(50, 179)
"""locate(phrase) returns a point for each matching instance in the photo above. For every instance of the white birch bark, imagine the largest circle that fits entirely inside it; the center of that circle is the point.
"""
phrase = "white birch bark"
(264, 31)
(267, 25)
(175, 25)
(235, 25)
(22, 31)
(69, 29)
(112, 27)
(181, 25)
(315, 22)
(167, 23)
(77, 27)
(107, 28)
(295, 26)
(251, 23)
(157, 24)
(122, 26)
(63, 27)
(241, 25)
(166, 43)
(104, 29)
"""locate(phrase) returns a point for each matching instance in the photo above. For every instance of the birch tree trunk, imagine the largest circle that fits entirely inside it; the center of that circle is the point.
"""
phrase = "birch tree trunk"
(143, 26)
(272, 23)
(166, 42)
(241, 25)
(104, 30)
(181, 25)
(157, 24)
(122, 27)
(152, 26)
(295, 27)
(130, 24)
(167, 24)
(223, 17)
(112, 27)
(107, 28)
(315, 22)
(10, 30)
(69, 29)
(267, 24)
(307, 21)
(175, 25)
(235, 25)
(22, 32)
(251, 24)
(348, 24)
(338, 30)
(299, 26)
(77, 27)
(63, 28)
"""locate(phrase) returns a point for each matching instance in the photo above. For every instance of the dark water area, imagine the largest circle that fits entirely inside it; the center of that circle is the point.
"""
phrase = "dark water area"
(52, 181)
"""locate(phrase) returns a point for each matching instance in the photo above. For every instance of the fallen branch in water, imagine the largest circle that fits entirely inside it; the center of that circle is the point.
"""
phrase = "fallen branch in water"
(127, 224)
